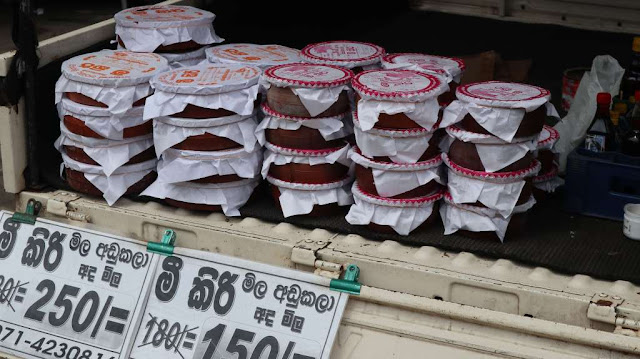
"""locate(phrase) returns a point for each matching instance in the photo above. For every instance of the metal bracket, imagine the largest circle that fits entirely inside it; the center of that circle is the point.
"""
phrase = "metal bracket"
(304, 253)
(30, 213)
(605, 308)
(165, 246)
(349, 283)
(58, 205)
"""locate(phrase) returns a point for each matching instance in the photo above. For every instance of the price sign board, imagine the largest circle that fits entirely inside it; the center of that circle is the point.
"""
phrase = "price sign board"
(70, 293)
(204, 306)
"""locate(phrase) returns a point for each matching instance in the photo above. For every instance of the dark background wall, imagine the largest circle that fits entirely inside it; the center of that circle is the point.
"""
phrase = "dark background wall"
(398, 29)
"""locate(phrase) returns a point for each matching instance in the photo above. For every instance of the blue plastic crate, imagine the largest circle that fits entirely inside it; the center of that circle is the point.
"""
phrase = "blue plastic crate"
(600, 184)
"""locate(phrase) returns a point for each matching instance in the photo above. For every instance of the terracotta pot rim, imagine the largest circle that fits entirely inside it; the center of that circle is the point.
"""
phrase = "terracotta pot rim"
(267, 110)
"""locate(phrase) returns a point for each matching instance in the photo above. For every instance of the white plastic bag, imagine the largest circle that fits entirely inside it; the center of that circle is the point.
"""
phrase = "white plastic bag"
(605, 76)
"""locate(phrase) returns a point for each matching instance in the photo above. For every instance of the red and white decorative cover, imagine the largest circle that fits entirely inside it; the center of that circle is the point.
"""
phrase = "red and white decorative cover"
(300, 198)
(356, 156)
(398, 85)
(114, 68)
(282, 156)
(260, 55)
(299, 152)
(481, 138)
(396, 202)
(268, 111)
(348, 54)
(308, 75)
(498, 177)
(553, 173)
(403, 215)
(548, 138)
(503, 94)
(447, 66)
(207, 80)
(160, 16)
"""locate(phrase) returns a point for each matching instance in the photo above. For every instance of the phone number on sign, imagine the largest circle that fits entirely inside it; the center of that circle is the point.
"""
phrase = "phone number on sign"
(43, 346)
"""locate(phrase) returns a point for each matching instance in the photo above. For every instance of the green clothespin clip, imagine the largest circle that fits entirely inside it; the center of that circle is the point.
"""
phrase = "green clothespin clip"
(30, 214)
(165, 246)
(349, 282)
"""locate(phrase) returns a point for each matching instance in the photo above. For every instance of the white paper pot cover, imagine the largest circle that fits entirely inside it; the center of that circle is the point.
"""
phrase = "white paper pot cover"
(548, 182)
(331, 128)
(231, 87)
(499, 107)
(495, 153)
(548, 138)
(392, 179)
(114, 185)
(180, 59)
(497, 191)
(110, 154)
(185, 59)
(348, 54)
(263, 56)
(403, 215)
(170, 131)
(230, 196)
(182, 166)
(317, 86)
(448, 67)
(300, 198)
(407, 92)
(115, 78)
(279, 156)
(457, 217)
(401, 146)
(100, 119)
(144, 28)
(550, 185)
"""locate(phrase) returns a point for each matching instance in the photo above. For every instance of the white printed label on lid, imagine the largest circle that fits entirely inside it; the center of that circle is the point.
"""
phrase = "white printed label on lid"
(390, 81)
(503, 91)
(258, 54)
(210, 79)
(209, 76)
(434, 63)
(309, 73)
(347, 51)
(165, 13)
(116, 65)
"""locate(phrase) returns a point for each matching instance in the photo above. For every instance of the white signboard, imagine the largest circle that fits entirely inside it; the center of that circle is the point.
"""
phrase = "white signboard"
(205, 306)
(69, 293)
(73, 293)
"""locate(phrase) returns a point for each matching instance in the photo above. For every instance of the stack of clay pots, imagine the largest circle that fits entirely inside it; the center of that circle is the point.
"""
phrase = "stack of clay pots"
(398, 163)
(204, 134)
(357, 56)
(306, 121)
(547, 181)
(106, 144)
(450, 68)
(178, 33)
(494, 129)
